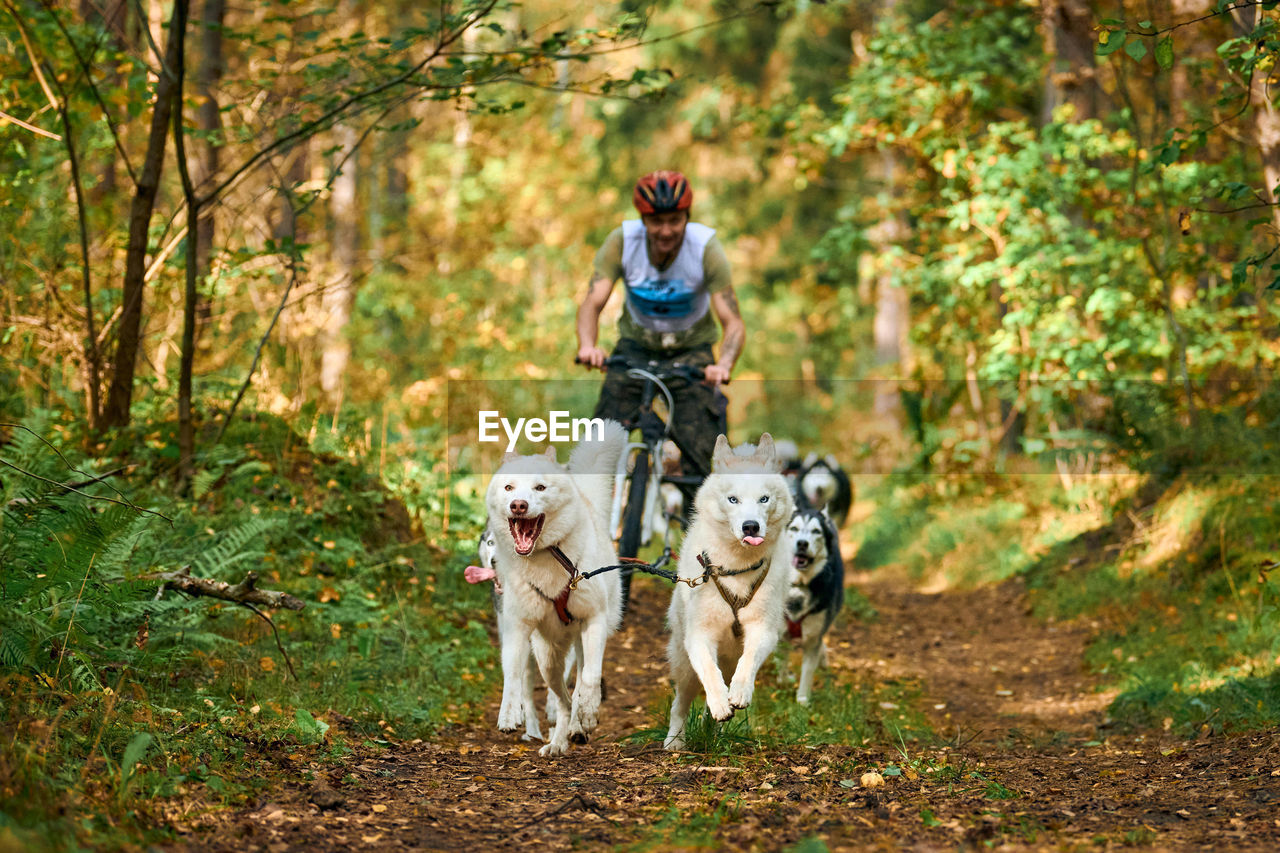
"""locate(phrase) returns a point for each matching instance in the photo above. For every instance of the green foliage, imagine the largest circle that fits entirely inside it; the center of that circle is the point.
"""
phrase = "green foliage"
(89, 651)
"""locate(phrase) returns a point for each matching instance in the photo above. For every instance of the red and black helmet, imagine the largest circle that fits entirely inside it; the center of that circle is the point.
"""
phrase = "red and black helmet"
(662, 192)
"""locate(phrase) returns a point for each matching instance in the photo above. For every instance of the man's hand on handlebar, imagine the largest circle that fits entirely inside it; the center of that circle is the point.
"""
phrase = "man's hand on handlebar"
(714, 374)
(591, 356)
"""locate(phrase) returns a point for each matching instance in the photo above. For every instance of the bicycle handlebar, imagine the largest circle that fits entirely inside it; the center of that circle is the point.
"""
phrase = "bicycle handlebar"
(658, 368)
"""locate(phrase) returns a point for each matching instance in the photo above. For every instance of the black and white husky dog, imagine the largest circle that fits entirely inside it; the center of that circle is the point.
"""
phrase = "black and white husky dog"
(816, 593)
(822, 484)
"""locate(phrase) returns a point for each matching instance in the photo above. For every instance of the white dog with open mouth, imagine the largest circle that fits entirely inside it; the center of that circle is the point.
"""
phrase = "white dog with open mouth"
(550, 523)
(726, 625)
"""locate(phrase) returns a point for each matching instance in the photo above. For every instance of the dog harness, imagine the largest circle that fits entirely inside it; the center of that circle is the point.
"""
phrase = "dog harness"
(561, 601)
(795, 627)
(735, 602)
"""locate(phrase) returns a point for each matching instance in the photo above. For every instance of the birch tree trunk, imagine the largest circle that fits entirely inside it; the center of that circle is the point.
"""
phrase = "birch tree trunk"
(339, 295)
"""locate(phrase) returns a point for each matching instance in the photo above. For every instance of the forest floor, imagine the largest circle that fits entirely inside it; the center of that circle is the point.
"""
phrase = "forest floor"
(1019, 755)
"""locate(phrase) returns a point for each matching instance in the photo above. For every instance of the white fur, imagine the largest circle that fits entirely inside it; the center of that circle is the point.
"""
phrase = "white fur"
(813, 628)
(818, 486)
(573, 502)
(743, 487)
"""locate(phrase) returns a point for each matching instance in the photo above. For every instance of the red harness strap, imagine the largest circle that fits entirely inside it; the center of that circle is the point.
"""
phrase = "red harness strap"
(793, 628)
(561, 601)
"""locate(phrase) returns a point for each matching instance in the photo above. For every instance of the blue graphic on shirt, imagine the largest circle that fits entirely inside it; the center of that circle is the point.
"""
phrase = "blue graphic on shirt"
(663, 297)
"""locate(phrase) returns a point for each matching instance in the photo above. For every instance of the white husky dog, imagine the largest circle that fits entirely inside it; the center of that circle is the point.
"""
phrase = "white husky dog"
(550, 521)
(726, 626)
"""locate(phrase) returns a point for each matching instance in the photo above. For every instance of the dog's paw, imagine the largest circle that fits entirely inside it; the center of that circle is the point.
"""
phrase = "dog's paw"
(720, 709)
(588, 715)
(740, 695)
(553, 749)
(674, 743)
(510, 717)
(802, 698)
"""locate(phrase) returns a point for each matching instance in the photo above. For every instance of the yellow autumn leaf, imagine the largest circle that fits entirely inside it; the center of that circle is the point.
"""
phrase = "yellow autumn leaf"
(267, 664)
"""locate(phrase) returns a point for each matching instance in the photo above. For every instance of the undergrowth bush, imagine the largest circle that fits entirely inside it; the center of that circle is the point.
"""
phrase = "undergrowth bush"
(114, 691)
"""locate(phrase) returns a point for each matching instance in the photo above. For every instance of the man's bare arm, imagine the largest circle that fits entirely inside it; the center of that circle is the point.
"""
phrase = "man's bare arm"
(598, 293)
(725, 304)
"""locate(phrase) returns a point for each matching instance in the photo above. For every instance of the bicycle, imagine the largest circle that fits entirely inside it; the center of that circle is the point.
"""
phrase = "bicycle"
(632, 513)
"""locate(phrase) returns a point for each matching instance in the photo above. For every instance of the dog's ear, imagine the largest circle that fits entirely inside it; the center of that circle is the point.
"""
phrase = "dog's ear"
(809, 459)
(831, 461)
(509, 455)
(550, 453)
(766, 454)
(722, 454)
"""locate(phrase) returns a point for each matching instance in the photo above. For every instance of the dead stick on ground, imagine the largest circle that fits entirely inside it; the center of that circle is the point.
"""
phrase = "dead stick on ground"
(245, 593)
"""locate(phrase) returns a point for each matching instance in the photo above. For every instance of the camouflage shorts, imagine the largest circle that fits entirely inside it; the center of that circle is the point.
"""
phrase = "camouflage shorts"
(700, 410)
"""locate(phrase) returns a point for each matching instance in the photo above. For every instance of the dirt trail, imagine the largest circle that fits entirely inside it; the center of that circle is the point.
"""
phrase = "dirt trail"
(1007, 695)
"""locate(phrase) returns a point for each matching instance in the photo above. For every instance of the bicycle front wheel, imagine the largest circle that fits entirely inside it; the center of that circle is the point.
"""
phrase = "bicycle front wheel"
(633, 519)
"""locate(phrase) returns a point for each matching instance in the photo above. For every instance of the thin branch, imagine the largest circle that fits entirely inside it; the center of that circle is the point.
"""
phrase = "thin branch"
(151, 41)
(66, 462)
(1247, 4)
(31, 53)
(5, 117)
(93, 88)
(335, 112)
(92, 354)
(274, 633)
(35, 476)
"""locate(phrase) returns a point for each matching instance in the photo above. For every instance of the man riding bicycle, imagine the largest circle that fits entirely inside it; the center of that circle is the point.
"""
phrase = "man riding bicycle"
(676, 275)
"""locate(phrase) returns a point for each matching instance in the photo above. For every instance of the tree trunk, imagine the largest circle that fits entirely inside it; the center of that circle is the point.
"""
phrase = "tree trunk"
(892, 320)
(120, 396)
(1264, 120)
(1072, 75)
(186, 419)
(204, 166)
(461, 147)
(339, 296)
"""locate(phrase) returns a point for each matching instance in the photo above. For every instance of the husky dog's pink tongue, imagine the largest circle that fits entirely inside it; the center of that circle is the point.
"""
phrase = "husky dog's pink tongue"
(479, 574)
(753, 540)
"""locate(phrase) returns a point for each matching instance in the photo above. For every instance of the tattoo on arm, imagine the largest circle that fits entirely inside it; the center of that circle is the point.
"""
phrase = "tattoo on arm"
(731, 346)
(731, 302)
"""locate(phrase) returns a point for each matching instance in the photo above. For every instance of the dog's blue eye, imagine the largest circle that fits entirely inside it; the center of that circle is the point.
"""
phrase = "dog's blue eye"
(732, 499)
(764, 500)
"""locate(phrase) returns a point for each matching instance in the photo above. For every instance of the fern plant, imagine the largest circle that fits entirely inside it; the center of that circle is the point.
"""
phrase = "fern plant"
(70, 596)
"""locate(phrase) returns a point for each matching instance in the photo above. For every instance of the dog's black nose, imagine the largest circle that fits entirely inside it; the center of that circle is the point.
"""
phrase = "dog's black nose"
(750, 528)
(802, 544)
(519, 507)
